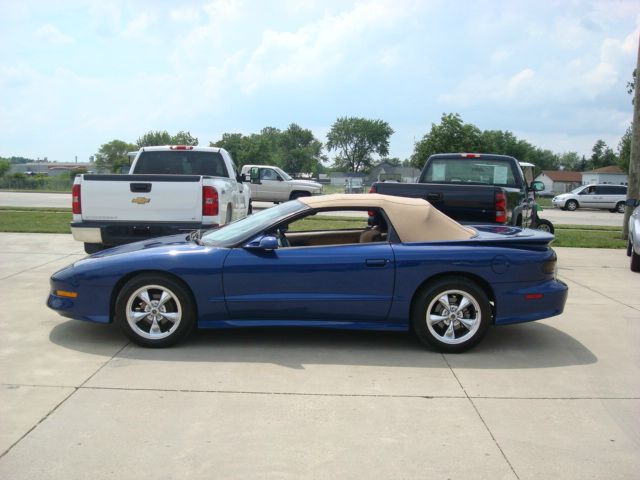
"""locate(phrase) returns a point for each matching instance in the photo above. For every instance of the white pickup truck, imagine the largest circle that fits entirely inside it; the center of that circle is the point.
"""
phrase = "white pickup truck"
(169, 189)
(272, 184)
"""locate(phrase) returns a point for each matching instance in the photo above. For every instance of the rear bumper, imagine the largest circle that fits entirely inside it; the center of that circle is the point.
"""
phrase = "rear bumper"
(529, 302)
(112, 234)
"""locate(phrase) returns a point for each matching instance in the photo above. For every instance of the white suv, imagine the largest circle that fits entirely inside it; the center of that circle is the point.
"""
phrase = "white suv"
(610, 197)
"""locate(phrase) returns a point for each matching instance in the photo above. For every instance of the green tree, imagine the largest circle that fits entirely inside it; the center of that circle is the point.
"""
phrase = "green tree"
(569, 161)
(299, 150)
(624, 150)
(113, 155)
(602, 155)
(5, 166)
(450, 135)
(153, 138)
(235, 144)
(356, 140)
(184, 138)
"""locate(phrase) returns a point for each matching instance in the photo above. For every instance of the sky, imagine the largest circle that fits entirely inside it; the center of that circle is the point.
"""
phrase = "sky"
(77, 74)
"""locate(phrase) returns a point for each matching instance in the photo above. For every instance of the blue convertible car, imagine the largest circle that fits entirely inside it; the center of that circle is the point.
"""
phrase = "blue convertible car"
(385, 263)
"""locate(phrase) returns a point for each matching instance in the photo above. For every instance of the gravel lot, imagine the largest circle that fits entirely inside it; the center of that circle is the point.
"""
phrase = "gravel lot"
(558, 398)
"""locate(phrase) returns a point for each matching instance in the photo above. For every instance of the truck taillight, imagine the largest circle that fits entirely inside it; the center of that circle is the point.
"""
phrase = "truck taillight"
(209, 202)
(501, 207)
(181, 147)
(373, 189)
(76, 203)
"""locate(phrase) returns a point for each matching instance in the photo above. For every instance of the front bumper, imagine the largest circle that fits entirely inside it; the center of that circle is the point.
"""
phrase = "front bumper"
(115, 233)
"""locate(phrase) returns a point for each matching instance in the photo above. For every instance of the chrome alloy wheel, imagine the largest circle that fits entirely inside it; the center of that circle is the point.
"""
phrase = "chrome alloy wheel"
(453, 316)
(153, 312)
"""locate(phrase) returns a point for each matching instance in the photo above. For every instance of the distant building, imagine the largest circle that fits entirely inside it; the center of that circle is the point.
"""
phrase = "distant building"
(612, 174)
(342, 178)
(559, 181)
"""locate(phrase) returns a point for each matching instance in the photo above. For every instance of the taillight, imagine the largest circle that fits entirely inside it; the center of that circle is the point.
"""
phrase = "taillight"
(373, 189)
(209, 202)
(501, 207)
(76, 203)
(180, 147)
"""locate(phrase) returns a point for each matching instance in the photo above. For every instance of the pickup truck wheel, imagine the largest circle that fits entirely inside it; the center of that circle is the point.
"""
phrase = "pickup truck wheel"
(93, 247)
(154, 310)
(620, 207)
(571, 205)
(629, 248)
(295, 195)
(544, 225)
(451, 315)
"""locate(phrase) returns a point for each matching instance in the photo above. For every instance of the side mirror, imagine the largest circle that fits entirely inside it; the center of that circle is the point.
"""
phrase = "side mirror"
(268, 242)
(240, 178)
(537, 186)
(254, 175)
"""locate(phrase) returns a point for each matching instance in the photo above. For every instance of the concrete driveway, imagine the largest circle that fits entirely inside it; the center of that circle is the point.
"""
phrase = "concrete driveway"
(558, 398)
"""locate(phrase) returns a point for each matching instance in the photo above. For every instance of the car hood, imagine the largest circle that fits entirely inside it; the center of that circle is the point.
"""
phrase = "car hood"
(305, 183)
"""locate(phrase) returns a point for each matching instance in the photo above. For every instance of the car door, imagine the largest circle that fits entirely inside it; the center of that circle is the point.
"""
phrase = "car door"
(274, 188)
(587, 197)
(323, 283)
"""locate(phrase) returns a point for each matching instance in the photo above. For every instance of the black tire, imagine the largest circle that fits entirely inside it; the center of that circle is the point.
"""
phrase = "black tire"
(635, 261)
(571, 205)
(451, 334)
(229, 216)
(250, 208)
(91, 248)
(545, 225)
(620, 207)
(612, 210)
(629, 248)
(295, 195)
(131, 304)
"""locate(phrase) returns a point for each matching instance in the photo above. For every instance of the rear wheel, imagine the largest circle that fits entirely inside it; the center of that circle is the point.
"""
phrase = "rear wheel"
(155, 310)
(620, 206)
(544, 225)
(571, 205)
(451, 315)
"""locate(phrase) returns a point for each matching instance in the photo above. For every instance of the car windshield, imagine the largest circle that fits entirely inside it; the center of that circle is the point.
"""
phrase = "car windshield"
(577, 190)
(465, 170)
(233, 233)
(283, 174)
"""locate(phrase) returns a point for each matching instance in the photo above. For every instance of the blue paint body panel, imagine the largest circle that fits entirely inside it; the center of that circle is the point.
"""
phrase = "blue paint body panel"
(356, 286)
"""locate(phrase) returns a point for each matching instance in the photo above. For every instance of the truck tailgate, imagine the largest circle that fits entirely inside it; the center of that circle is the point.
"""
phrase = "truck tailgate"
(148, 198)
(464, 203)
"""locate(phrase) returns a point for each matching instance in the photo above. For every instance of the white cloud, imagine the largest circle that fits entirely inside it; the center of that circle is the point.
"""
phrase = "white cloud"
(51, 35)
(139, 26)
(319, 47)
(186, 15)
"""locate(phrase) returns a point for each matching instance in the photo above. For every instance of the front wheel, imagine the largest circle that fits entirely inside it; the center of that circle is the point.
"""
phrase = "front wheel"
(451, 315)
(571, 205)
(620, 206)
(544, 225)
(155, 310)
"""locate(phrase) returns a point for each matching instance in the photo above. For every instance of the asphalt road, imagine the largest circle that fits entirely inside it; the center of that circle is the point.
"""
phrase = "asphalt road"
(63, 200)
(558, 398)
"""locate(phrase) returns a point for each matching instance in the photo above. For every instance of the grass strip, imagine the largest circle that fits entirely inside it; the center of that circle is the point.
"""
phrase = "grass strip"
(53, 220)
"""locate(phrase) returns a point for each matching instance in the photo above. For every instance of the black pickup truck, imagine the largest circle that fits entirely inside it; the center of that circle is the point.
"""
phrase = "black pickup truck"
(473, 188)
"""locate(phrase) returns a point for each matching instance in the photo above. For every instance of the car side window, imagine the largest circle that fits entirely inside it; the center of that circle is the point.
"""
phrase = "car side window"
(338, 227)
(268, 174)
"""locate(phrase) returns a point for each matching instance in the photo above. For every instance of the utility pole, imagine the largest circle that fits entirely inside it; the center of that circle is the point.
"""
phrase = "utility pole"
(633, 190)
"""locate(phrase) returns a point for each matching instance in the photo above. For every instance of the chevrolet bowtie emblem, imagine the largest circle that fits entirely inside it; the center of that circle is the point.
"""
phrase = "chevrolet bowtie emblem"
(140, 200)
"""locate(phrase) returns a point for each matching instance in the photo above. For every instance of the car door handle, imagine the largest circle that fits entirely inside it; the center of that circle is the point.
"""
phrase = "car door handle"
(376, 262)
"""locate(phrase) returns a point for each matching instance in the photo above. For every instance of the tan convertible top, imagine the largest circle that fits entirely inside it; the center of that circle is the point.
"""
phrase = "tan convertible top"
(414, 219)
